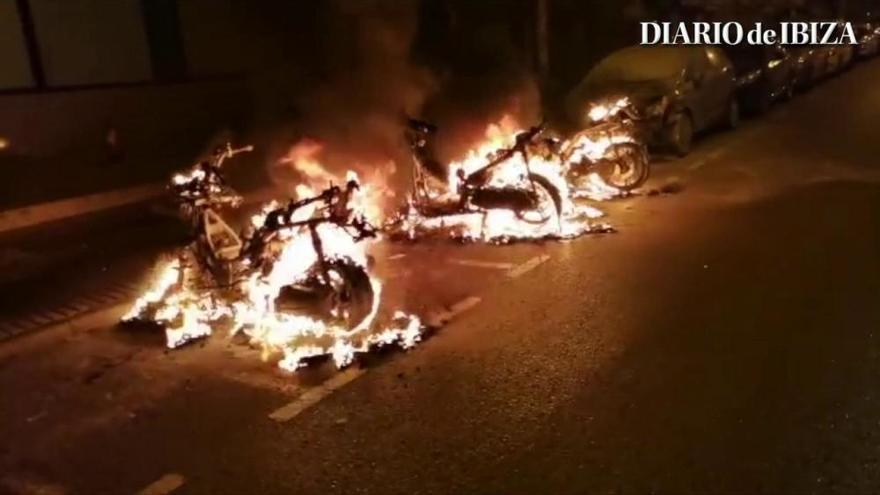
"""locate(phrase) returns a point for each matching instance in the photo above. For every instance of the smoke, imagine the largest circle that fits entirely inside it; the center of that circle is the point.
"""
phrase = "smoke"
(460, 64)
(482, 53)
(368, 83)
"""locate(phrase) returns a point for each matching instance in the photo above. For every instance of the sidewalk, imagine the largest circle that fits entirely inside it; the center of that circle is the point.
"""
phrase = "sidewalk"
(29, 216)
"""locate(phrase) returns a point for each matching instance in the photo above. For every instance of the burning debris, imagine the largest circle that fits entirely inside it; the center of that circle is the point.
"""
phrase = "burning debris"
(298, 285)
(297, 282)
(513, 185)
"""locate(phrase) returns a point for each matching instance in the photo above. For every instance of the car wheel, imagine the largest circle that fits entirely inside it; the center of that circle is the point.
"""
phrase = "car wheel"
(732, 119)
(681, 134)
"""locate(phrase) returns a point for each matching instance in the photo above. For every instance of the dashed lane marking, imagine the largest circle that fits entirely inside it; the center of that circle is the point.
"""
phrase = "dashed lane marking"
(464, 305)
(483, 264)
(442, 317)
(262, 381)
(164, 485)
(314, 395)
(528, 266)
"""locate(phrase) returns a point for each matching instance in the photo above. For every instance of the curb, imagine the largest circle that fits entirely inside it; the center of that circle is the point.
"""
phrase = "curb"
(29, 216)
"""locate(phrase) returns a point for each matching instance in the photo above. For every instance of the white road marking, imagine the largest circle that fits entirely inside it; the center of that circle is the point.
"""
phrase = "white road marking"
(464, 305)
(263, 381)
(164, 485)
(316, 394)
(483, 264)
(527, 266)
(397, 256)
(442, 317)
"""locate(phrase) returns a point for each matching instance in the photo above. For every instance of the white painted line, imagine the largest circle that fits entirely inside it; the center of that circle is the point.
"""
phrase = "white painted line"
(316, 394)
(397, 256)
(262, 381)
(29, 216)
(442, 317)
(164, 485)
(463, 305)
(527, 266)
(483, 264)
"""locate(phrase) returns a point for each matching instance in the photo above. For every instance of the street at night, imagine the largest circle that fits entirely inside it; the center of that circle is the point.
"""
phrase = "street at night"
(713, 333)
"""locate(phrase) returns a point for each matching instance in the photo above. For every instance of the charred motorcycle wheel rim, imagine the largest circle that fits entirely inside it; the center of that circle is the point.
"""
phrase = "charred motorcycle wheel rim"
(545, 211)
(626, 171)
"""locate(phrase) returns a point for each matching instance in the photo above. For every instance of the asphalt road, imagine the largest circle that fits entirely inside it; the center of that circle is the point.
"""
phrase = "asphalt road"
(722, 341)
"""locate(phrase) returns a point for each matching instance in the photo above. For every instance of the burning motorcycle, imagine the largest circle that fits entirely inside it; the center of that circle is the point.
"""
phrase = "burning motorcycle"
(306, 249)
(612, 148)
(506, 180)
(314, 239)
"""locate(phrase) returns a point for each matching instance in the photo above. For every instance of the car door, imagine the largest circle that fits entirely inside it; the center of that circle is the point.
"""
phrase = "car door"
(698, 98)
(779, 70)
(719, 82)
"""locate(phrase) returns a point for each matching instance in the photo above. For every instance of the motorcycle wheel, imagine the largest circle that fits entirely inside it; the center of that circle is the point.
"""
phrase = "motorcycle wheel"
(350, 294)
(627, 166)
(549, 203)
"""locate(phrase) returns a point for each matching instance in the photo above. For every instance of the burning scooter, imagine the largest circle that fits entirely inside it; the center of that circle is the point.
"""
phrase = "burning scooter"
(509, 193)
(607, 158)
(309, 246)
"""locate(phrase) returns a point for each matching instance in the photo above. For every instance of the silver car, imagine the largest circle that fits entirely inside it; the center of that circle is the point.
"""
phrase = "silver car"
(680, 90)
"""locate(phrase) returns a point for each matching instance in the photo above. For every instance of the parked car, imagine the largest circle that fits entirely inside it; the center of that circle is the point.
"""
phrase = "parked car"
(839, 56)
(810, 65)
(869, 40)
(764, 74)
(679, 90)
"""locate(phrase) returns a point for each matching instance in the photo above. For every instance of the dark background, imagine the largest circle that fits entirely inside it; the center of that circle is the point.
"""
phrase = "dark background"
(101, 94)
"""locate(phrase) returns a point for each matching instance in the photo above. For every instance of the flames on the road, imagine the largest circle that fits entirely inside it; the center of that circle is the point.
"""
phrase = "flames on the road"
(503, 225)
(189, 305)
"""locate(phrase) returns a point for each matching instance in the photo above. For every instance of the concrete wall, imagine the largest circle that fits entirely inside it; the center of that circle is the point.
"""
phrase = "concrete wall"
(91, 41)
(16, 72)
(69, 143)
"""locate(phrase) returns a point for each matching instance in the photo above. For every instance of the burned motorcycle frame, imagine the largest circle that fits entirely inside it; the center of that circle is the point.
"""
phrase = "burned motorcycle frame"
(613, 147)
(339, 285)
(533, 199)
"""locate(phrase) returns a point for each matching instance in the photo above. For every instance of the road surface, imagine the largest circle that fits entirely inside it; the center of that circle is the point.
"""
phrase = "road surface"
(722, 341)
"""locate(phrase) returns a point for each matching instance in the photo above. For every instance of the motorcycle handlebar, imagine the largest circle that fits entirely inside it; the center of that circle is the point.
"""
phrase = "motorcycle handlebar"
(244, 149)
